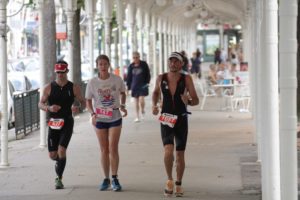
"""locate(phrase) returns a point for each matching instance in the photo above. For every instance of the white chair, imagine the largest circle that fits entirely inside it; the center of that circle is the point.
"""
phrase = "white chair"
(208, 91)
(240, 97)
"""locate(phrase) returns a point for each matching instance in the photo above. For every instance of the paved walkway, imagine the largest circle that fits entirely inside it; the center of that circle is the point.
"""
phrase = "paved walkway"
(219, 153)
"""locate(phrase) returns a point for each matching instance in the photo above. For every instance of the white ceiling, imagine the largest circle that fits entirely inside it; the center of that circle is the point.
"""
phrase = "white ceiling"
(221, 11)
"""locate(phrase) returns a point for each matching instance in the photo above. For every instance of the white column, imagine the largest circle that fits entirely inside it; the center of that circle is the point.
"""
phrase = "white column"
(148, 37)
(270, 113)
(107, 37)
(174, 38)
(43, 72)
(107, 15)
(3, 69)
(140, 25)
(259, 92)
(165, 44)
(132, 24)
(221, 34)
(90, 5)
(288, 96)
(70, 19)
(154, 30)
(120, 19)
(160, 59)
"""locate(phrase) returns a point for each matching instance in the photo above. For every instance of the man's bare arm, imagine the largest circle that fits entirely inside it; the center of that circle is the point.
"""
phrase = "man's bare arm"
(79, 97)
(194, 100)
(45, 95)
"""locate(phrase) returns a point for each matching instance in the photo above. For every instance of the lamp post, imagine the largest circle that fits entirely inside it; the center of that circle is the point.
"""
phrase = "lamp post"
(3, 71)
(70, 6)
(90, 5)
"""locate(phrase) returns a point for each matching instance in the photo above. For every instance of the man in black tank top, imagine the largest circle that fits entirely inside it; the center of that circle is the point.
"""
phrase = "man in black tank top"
(57, 100)
(177, 91)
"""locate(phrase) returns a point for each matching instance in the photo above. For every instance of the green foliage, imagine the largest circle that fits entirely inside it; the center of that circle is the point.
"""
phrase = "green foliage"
(80, 4)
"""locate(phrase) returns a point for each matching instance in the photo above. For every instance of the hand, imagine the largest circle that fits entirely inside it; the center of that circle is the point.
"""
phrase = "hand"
(93, 119)
(75, 109)
(54, 108)
(155, 110)
(185, 98)
(124, 111)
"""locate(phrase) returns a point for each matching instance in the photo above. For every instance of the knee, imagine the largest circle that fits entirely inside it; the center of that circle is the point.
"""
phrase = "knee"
(114, 151)
(53, 155)
(169, 149)
(104, 150)
(61, 153)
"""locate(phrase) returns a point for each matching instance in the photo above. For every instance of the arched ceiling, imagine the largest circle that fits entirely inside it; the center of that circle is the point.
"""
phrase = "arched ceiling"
(219, 11)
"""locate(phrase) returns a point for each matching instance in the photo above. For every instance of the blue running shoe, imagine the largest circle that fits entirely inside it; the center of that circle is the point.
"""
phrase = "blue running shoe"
(115, 185)
(105, 184)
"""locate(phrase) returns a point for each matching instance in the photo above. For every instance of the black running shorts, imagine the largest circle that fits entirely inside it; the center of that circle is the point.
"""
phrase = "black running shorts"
(179, 133)
(60, 137)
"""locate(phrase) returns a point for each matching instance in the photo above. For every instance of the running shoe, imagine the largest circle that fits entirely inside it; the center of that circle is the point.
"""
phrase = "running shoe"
(115, 185)
(104, 185)
(169, 188)
(137, 120)
(178, 191)
(58, 184)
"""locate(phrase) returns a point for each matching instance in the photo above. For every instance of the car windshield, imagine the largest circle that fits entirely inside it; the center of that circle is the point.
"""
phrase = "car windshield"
(18, 85)
(18, 66)
(32, 65)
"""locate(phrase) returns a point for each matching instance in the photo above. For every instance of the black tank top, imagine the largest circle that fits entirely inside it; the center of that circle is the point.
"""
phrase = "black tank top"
(62, 96)
(173, 104)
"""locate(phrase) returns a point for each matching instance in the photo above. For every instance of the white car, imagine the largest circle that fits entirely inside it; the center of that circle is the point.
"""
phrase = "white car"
(10, 105)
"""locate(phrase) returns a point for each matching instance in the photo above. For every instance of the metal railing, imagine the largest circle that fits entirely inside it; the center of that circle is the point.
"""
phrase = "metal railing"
(27, 115)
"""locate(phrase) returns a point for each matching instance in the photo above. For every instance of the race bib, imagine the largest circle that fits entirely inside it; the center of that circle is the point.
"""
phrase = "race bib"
(56, 124)
(168, 119)
(106, 113)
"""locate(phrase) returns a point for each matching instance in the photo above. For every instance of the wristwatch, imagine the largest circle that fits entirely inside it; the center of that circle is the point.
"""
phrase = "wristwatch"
(92, 114)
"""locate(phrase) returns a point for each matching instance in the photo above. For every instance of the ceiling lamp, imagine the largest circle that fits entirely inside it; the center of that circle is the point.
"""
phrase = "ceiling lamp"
(161, 2)
(203, 13)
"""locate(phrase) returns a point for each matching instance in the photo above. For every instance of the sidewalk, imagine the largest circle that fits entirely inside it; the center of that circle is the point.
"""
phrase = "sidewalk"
(218, 147)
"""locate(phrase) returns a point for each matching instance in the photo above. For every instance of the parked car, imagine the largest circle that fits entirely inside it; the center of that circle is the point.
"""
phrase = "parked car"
(10, 104)
(19, 81)
(32, 72)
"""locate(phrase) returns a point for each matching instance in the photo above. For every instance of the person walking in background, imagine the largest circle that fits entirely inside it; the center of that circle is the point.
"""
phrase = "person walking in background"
(185, 67)
(57, 100)
(196, 65)
(217, 56)
(106, 97)
(138, 79)
(178, 92)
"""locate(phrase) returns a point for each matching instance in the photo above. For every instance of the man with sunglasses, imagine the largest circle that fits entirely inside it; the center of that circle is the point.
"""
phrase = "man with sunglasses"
(57, 100)
(138, 78)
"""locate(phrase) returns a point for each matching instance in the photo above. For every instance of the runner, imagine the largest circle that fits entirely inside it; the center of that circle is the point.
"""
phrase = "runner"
(178, 91)
(57, 100)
